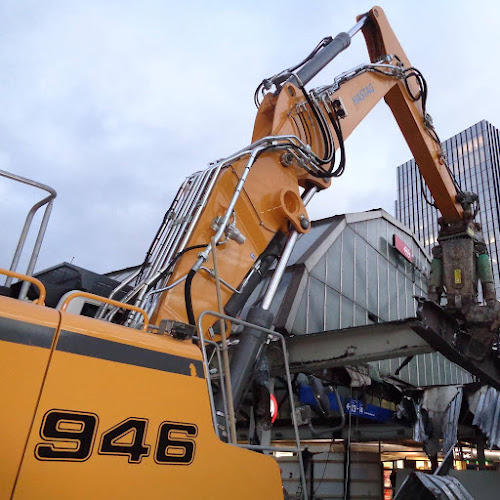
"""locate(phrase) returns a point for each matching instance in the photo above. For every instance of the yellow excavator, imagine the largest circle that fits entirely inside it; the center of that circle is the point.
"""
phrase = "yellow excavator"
(121, 405)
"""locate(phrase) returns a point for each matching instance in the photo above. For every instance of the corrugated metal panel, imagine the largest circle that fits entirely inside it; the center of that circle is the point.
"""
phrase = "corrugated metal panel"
(425, 370)
(486, 409)
(439, 409)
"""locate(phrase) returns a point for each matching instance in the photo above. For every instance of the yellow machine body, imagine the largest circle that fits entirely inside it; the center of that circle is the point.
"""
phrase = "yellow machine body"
(69, 382)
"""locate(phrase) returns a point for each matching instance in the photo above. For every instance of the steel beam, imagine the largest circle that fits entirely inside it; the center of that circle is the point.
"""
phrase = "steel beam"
(443, 334)
(434, 330)
(359, 433)
(351, 346)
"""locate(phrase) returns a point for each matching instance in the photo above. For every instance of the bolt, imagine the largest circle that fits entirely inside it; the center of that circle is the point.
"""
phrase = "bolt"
(304, 221)
(286, 159)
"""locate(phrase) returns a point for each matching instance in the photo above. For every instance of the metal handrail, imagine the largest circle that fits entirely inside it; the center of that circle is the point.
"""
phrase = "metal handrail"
(23, 277)
(272, 335)
(115, 303)
(217, 348)
(48, 201)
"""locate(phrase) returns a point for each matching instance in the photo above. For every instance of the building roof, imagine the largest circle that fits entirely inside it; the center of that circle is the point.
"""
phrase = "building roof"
(323, 232)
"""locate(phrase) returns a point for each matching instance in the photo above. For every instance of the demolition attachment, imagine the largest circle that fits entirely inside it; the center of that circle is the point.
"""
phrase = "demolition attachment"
(460, 261)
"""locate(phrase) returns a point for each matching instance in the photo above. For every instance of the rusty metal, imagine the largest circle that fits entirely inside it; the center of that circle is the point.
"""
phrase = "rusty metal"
(446, 334)
(434, 329)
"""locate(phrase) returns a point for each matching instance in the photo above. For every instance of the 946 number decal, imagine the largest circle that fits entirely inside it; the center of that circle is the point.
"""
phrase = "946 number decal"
(70, 436)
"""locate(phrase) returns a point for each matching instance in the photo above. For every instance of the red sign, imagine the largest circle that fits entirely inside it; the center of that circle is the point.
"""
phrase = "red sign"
(402, 248)
(274, 408)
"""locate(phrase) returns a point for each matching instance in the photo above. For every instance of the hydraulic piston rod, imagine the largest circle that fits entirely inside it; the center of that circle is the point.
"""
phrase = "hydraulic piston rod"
(247, 352)
(326, 55)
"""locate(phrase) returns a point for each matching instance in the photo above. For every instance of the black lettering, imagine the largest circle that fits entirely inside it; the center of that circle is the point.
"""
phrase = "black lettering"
(70, 436)
(126, 438)
(174, 445)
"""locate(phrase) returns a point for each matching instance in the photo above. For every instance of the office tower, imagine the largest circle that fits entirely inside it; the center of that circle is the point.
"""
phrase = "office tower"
(474, 159)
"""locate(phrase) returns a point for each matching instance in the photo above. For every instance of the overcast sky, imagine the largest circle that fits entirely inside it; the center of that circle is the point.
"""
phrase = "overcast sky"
(113, 103)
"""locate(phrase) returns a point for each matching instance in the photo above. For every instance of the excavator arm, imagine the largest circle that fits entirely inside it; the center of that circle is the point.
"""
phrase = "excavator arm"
(407, 103)
(253, 197)
(355, 93)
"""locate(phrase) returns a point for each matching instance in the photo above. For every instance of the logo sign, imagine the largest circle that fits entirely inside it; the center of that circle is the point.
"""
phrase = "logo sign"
(363, 94)
(402, 248)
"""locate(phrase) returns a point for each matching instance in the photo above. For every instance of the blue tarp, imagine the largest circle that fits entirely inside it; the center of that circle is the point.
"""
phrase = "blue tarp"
(351, 406)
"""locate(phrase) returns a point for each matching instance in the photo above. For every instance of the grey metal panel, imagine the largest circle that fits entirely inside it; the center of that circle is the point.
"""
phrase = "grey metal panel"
(365, 479)
(377, 213)
(291, 300)
(315, 253)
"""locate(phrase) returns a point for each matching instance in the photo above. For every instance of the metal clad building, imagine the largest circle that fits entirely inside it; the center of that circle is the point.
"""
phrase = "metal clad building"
(473, 157)
(347, 272)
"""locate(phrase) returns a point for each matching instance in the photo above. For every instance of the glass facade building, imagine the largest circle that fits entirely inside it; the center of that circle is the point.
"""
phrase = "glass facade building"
(474, 159)
(346, 272)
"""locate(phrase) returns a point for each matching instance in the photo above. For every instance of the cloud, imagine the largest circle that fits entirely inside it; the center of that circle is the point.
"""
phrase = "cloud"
(114, 103)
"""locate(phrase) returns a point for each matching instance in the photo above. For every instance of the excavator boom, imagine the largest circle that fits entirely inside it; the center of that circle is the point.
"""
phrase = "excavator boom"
(252, 198)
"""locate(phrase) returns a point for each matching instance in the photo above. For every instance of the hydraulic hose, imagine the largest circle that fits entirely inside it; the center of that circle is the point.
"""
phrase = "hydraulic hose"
(187, 297)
